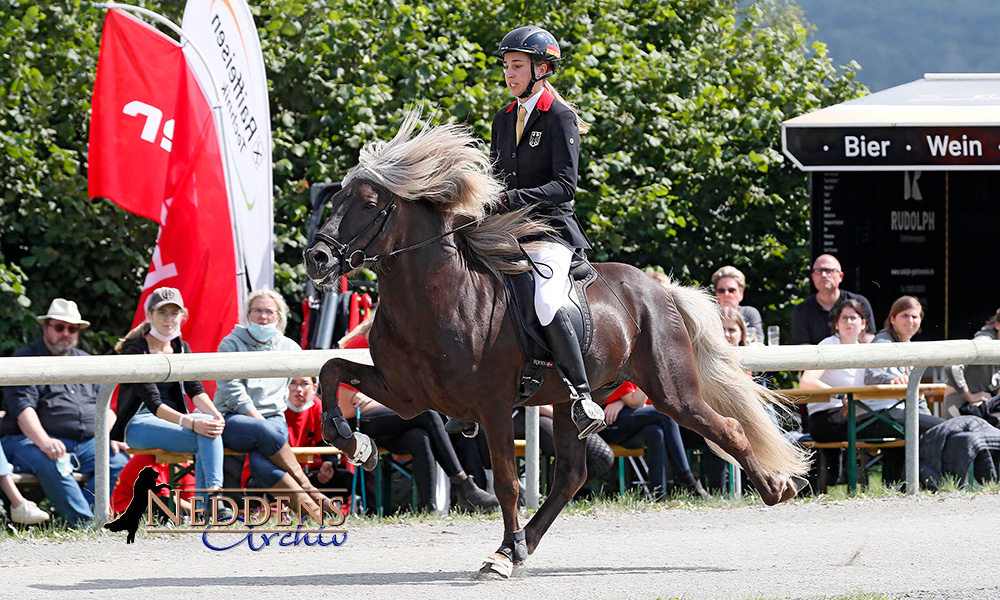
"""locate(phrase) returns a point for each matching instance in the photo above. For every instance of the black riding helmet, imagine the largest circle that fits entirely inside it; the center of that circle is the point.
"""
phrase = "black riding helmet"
(536, 43)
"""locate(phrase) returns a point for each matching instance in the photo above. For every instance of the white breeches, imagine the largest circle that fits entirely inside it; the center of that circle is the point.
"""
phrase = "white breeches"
(551, 293)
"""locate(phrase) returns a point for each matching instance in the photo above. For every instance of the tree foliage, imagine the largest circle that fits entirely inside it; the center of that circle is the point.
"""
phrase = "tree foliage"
(681, 168)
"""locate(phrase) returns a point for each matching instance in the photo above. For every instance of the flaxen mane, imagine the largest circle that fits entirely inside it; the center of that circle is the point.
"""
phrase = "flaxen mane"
(447, 166)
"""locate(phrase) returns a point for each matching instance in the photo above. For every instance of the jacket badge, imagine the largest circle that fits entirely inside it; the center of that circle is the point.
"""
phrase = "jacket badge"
(535, 139)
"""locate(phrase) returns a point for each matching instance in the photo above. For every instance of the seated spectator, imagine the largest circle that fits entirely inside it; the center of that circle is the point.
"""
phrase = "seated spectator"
(22, 510)
(254, 408)
(827, 421)
(975, 386)
(305, 430)
(812, 319)
(423, 437)
(733, 326)
(48, 430)
(729, 284)
(902, 324)
(155, 415)
(635, 424)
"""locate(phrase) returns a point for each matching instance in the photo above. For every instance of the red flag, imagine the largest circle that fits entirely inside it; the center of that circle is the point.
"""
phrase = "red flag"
(154, 151)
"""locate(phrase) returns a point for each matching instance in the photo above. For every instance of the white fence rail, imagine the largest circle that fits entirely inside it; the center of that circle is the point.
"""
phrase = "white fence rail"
(111, 370)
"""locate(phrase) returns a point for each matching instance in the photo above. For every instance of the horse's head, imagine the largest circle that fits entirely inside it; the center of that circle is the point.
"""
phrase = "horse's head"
(355, 230)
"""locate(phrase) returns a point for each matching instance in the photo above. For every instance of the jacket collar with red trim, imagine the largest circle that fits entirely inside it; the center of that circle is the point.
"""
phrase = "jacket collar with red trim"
(544, 101)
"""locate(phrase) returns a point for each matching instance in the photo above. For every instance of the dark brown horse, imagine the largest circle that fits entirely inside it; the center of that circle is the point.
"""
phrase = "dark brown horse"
(442, 339)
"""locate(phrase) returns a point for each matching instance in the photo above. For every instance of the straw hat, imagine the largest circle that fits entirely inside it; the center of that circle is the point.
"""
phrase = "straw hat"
(64, 310)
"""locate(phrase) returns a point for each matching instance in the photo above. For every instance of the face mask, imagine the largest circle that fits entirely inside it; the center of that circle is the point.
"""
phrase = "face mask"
(263, 333)
(164, 338)
(304, 408)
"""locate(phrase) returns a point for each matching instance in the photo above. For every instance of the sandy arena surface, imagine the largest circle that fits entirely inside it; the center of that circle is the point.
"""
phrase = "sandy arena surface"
(923, 547)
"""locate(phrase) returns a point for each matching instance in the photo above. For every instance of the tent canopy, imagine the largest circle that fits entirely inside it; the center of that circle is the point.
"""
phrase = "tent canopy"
(941, 122)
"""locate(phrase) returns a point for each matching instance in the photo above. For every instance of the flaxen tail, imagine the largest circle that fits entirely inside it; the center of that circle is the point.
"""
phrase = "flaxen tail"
(727, 389)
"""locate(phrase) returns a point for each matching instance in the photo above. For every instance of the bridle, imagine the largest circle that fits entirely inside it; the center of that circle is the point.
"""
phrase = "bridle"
(341, 250)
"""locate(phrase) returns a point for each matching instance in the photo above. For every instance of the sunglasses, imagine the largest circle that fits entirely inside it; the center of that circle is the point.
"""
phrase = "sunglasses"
(725, 290)
(61, 327)
(825, 271)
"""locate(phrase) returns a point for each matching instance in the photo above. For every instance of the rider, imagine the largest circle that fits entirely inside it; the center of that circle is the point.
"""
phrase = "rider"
(535, 147)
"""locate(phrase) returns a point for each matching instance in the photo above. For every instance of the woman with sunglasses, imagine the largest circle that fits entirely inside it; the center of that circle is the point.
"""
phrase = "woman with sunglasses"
(729, 284)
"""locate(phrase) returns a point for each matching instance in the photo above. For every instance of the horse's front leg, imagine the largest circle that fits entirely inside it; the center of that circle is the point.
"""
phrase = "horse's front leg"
(570, 473)
(499, 428)
(357, 446)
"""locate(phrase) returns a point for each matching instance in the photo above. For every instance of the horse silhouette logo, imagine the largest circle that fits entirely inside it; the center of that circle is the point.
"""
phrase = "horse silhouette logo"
(129, 520)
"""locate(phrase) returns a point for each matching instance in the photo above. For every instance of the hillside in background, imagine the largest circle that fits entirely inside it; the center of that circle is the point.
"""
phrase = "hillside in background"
(896, 41)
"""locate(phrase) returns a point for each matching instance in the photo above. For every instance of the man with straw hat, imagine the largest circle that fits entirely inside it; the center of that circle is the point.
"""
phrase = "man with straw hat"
(48, 429)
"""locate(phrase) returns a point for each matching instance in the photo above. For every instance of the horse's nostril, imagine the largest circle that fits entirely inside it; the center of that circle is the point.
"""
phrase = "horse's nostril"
(320, 257)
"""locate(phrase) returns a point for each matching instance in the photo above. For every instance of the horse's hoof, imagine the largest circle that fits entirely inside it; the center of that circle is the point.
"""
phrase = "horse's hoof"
(496, 567)
(797, 483)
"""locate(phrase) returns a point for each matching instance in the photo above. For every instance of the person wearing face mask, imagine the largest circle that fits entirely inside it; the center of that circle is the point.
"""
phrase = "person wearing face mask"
(254, 407)
(155, 415)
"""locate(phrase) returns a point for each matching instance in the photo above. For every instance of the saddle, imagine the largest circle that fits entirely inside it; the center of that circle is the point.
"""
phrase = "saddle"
(520, 291)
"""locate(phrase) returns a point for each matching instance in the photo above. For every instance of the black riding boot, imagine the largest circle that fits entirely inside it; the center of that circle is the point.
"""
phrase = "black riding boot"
(588, 416)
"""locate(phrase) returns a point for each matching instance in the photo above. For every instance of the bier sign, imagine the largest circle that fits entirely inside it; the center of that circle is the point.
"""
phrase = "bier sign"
(892, 148)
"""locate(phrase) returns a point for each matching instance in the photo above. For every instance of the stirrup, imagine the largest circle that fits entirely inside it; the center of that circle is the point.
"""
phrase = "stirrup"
(586, 420)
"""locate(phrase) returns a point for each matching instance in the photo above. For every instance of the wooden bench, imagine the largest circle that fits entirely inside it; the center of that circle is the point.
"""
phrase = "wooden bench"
(30, 480)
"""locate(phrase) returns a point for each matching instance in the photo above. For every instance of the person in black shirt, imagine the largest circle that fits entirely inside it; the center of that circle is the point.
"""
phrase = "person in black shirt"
(49, 422)
(535, 147)
(811, 320)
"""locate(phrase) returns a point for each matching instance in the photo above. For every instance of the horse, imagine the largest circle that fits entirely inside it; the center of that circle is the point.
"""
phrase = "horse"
(413, 209)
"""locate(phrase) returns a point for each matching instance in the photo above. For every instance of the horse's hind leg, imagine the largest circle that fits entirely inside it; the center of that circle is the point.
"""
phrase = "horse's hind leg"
(570, 473)
(666, 371)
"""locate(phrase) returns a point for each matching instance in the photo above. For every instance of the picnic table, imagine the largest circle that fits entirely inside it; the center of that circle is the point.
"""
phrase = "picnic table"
(858, 394)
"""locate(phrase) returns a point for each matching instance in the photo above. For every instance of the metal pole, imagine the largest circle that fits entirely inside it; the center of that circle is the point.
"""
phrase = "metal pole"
(531, 456)
(102, 455)
(241, 280)
(912, 435)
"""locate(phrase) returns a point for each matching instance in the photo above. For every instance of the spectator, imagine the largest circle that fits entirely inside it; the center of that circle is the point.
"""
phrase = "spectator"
(975, 385)
(155, 415)
(811, 320)
(254, 408)
(730, 283)
(46, 426)
(22, 510)
(828, 420)
(635, 424)
(422, 437)
(733, 326)
(305, 429)
(901, 325)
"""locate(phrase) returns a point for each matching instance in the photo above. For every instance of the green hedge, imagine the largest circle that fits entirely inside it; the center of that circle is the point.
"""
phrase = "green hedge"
(681, 169)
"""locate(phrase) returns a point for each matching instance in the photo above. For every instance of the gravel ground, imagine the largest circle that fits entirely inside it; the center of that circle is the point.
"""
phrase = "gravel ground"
(922, 547)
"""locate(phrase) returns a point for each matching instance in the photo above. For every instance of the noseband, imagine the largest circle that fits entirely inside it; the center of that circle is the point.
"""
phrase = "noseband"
(342, 249)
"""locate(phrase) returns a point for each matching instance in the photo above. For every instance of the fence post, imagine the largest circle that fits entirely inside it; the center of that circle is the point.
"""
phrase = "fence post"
(912, 430)
(102, 455)
(531, 456)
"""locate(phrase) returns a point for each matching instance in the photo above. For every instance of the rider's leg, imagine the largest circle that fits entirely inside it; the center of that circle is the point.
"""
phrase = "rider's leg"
(552, 287)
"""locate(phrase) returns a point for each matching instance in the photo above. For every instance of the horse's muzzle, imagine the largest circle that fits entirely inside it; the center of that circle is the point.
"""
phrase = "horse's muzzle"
(321, 264)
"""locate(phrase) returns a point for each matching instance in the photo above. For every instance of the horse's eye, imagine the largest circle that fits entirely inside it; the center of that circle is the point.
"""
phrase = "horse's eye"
(371, 205)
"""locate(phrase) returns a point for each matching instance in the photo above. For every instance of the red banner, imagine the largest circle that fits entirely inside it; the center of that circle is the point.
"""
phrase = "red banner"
(154, 151)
